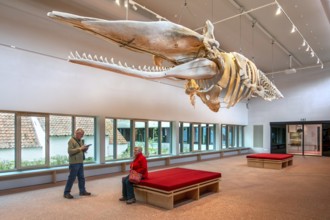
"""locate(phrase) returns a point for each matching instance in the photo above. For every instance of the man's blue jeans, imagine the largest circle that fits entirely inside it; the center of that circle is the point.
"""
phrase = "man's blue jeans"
(128, 190)
(76, 170)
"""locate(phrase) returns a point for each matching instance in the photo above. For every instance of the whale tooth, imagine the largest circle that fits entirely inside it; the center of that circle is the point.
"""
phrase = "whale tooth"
(71, 56)
(77, 55)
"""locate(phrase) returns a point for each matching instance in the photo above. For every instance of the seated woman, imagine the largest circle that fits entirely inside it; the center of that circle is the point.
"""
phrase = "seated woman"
(139, 164)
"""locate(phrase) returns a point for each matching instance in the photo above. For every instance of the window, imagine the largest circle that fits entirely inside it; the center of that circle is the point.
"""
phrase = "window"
(32, 140)
(204, 134)
(185, 137)
(7, 141)
(140, 136)
(60, 132)
(224, 135)
(196, 137)
(110, 135)
(146, 135)
(232, 136)
(211, 136)
(203, 137)
(123, 139)
(153, 140)
(88, 125)
(166, 134)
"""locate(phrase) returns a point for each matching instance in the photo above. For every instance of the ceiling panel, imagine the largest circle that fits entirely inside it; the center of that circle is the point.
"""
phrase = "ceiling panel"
(233, 31)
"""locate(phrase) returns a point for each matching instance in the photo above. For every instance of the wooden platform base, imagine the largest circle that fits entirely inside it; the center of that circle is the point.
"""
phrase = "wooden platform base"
(268, 163)
(171, 199)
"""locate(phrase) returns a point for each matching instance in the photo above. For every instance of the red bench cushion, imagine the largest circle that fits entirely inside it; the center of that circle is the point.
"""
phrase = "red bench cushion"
(270, 156)
(175, 178)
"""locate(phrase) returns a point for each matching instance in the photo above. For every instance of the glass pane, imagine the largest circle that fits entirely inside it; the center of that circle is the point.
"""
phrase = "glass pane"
(294, 139)
(230, 136)
(153, 137)
(196, 137)
(88, 125)
(7, 141)
(109, 139)
(33, 141)
(60, 128)
(312, 139)
(204, 137)
(240, 136)
(166, 137)
(123, 148)
(140, 135)
(186, 137)
(278, 139)
(211, 137)
(235, 136)
(223, 136)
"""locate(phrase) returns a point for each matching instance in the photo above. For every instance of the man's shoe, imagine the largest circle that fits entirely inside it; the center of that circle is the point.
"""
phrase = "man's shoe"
(85, 193)
(122, 199)
(68, 196)
(130, 201)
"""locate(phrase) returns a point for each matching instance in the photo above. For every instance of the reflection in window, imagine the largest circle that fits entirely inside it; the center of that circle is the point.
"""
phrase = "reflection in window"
(60, 129)
(7, 141)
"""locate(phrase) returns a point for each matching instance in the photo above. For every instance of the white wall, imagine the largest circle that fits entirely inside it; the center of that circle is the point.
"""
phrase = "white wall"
(35, 77)
(306, 96)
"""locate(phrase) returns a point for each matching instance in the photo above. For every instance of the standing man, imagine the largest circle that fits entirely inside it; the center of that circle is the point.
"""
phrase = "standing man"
(76, 150)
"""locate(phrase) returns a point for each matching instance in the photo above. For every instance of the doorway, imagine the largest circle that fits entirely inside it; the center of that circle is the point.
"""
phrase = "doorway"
(304, 139)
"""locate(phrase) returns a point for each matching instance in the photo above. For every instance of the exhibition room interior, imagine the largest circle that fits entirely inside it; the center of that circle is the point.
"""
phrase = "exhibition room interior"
(44, 98)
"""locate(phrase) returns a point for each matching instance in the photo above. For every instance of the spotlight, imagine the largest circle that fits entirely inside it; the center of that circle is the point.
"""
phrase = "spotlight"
(293, 29)
(312, 53)
(304, 43)
(278, 11)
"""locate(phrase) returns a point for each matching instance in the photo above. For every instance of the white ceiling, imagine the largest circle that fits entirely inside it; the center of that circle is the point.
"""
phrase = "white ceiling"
(237, 34)
(310, 17)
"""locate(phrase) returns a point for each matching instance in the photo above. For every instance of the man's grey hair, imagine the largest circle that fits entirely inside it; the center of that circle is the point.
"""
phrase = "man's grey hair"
(139, 149)
(79, 131)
